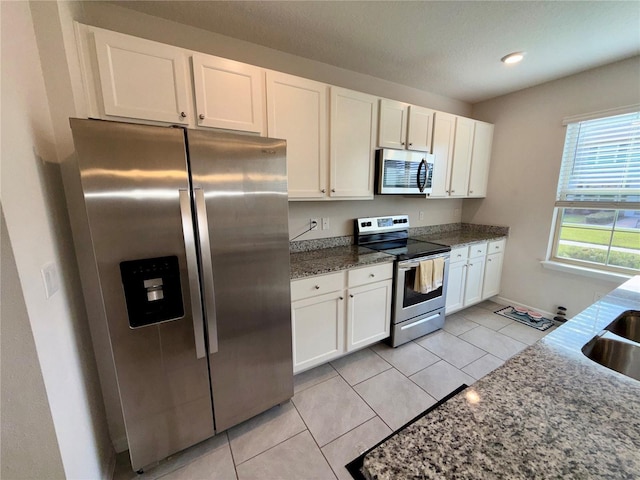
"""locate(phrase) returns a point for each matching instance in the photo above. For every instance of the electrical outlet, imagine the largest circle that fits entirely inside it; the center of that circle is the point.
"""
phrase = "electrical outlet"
(313, 224)
(421, 215)
(325, 223)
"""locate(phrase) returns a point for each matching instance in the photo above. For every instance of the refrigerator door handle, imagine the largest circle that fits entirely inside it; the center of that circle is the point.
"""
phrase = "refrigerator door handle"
(192, 270)
(207, 269)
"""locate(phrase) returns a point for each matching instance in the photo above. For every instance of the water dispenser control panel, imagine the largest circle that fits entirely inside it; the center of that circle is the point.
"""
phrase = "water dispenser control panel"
(152, 290)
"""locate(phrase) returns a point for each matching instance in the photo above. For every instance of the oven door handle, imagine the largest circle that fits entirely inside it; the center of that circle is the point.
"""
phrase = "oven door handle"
(406, 266)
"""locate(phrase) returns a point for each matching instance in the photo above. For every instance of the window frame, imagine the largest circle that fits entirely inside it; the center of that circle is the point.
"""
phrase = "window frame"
(552, 259)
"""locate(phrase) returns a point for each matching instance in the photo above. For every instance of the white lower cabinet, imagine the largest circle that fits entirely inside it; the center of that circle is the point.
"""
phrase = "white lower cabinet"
(318, 330)
(493, 269)
(474, 274)
(325, 327)
(368, 314)
(473, 285)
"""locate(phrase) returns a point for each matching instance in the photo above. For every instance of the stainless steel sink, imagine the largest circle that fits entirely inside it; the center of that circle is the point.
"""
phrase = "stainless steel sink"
(621, 356)
(627, 325)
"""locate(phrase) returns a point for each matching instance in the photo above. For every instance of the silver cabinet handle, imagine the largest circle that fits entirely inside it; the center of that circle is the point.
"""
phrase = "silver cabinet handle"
(323, 190)
(201, 116)
(372, 275)
(351, 295)
(333, 190)
(401, 143)
(488, 259)
(453, 191)
(410, 144)
(342, 298)
(207, 270)
(192, 270)
(317, 287)
(470, 191)
(183, 115)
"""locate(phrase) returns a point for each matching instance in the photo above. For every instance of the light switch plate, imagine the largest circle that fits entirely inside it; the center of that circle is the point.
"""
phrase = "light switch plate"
(50, 278)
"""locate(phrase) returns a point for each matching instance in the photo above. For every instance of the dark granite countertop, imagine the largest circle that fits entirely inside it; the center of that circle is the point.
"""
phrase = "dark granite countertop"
(549, 412)
(460, 238)
(326, 260)
(325, 255)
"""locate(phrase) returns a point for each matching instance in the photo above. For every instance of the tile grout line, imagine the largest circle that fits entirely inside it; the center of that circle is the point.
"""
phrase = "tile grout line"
(314, 438)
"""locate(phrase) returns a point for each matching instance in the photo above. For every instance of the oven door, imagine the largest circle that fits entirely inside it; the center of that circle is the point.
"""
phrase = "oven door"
(410, 303)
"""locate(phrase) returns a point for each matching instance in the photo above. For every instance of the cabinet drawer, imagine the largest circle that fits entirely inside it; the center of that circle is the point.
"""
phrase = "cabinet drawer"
(316, 285)
(496, 246)
(459, 254)
(477, 250)
(360, 276)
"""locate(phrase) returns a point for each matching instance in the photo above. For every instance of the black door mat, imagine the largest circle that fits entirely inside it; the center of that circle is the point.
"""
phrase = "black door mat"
(539, 324)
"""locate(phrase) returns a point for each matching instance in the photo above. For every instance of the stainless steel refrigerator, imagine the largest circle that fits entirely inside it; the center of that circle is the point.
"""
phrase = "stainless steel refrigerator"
(186, 268)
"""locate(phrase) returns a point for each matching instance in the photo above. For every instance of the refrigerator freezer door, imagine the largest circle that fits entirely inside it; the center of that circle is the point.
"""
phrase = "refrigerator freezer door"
(244, 181)
(131, 177)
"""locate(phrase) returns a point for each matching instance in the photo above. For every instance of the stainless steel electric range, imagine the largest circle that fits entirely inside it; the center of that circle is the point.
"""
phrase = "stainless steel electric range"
(413, 313)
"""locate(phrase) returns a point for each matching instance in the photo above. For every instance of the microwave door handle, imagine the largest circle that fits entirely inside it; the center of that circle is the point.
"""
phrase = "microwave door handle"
(421, 186)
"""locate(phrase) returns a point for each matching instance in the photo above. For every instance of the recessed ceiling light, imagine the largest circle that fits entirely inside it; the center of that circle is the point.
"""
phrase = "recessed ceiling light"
(514, 57)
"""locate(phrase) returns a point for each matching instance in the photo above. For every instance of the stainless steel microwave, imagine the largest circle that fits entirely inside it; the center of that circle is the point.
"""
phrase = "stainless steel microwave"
(404, 172)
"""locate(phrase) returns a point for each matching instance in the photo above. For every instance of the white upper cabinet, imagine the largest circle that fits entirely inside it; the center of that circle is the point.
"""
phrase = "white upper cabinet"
(297, 112)
(481, 157)
(444, 129)
(392, 131)
(141, 79)
(404, 126)
(352, 140)
(420, 128)
(228, 94)
(462, 148)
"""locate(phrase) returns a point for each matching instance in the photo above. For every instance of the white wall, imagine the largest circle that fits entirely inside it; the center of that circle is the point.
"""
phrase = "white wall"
(341, 214)
(527, 150)
(27, 437)
(35, 212)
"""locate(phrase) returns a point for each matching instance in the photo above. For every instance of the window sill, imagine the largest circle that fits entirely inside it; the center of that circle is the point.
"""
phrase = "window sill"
(586, 272)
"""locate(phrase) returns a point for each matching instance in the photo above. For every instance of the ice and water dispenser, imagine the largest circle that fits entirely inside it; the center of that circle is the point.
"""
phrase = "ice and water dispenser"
(152, 290)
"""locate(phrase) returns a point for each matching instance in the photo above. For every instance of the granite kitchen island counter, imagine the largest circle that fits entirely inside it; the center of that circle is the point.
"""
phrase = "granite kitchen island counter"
(549, 412)
(326, 260)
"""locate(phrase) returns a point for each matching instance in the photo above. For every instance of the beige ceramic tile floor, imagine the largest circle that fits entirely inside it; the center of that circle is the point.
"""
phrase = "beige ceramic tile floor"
(343, 408)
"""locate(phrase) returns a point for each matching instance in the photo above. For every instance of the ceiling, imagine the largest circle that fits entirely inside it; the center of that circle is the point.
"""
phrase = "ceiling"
(451, 48)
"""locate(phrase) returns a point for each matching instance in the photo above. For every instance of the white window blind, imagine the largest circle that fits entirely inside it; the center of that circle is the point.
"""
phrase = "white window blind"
(601, 162)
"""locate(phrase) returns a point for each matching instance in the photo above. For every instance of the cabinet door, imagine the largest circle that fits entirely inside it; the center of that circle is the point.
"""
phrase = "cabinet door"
(480, 158)
(455, 286)
(142, 79)
(462, 148)
(492, 275)
(353, 130)
(368, 314)
(444, 127)
(297, 112)
(473, 286)
(420, 128)
(392, 130)
(317, 325)
(228, 94)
